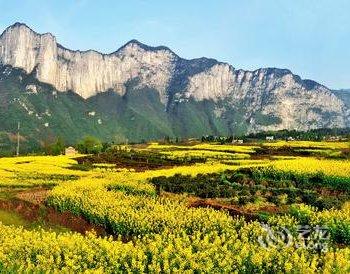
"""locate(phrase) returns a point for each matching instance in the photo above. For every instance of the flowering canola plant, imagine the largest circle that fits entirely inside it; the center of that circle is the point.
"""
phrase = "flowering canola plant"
(309, 144)
(157, 234)
(313, 165)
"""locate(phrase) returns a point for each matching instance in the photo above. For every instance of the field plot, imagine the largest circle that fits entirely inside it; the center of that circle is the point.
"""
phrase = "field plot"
(199, 208)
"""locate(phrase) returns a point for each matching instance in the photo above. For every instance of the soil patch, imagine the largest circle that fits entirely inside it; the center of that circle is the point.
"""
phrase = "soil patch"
(37, 212)
(234, 210)
(36, 196)
(133, 159)
(230, 209)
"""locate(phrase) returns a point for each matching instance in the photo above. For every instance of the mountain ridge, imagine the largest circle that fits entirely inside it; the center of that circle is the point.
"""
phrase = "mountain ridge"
(132, 41)
(151, 48)
(145, 47)
(185, 97)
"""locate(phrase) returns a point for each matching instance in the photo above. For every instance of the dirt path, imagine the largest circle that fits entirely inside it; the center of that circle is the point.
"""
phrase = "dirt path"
(233, 210)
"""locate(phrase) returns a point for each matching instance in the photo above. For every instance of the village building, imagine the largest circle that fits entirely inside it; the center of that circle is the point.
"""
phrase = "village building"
(70, 151)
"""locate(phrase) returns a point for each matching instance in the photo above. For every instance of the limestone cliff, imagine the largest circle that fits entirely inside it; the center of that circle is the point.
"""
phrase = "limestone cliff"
(84, 72)
(269, 99)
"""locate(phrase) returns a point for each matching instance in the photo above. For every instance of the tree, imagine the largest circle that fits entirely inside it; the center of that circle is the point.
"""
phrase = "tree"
(90, 145)
(58, 147)
(166, 139)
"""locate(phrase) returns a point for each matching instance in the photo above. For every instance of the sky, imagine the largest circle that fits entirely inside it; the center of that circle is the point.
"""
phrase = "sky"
(309, 37)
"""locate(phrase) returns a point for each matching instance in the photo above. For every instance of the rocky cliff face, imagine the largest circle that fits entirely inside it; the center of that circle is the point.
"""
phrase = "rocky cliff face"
(86, 73)
(269, 99)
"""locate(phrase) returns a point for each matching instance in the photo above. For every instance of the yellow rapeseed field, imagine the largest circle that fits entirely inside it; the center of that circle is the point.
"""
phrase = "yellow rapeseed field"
(309, 144)
(210, 147)
(157, 234)
(312, 165)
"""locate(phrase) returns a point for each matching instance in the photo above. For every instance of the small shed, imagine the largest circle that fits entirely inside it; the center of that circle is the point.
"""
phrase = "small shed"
(70, 151)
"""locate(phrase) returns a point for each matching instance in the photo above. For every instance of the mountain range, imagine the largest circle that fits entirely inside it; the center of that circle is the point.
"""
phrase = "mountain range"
(140, 92)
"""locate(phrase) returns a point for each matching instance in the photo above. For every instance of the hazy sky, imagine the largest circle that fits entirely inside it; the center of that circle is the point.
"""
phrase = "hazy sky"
(310, 37)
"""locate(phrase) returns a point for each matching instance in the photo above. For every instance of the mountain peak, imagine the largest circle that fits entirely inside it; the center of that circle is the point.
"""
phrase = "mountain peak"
(134, 41)
(18, 26)
(143, 46)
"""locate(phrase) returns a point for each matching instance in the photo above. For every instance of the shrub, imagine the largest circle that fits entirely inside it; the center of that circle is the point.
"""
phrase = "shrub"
(90, 145)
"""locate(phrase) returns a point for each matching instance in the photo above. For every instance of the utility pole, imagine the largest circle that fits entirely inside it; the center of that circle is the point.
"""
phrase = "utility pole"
(18, 127)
